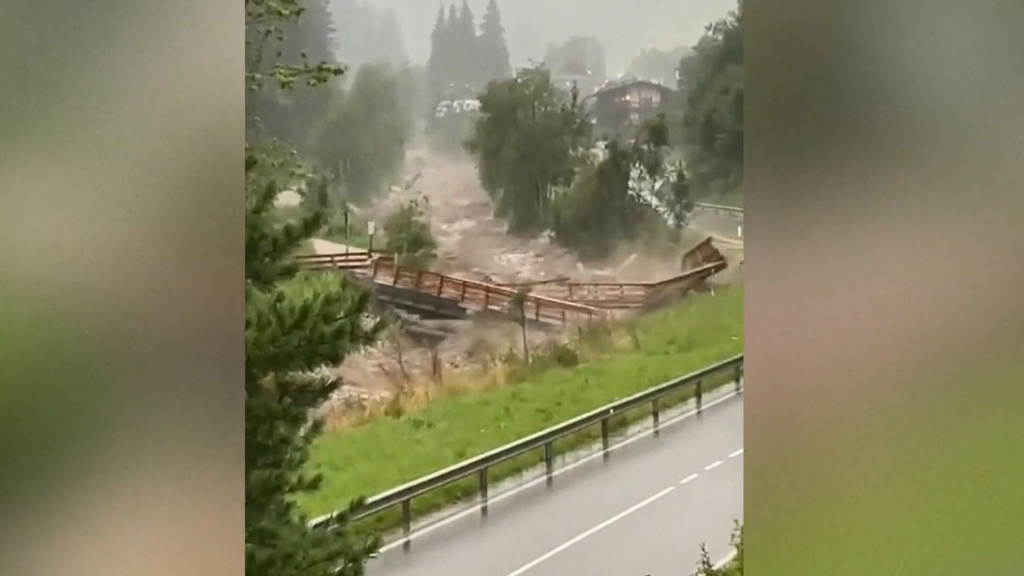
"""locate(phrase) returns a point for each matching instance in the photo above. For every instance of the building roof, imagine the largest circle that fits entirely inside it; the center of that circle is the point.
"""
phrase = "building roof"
(615, 88)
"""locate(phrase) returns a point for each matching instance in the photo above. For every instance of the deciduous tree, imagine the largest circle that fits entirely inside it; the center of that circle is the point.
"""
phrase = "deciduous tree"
(362, 137)
(289, 54)
(712, 78)
(528, 141)
(408, 236)
(626, 191)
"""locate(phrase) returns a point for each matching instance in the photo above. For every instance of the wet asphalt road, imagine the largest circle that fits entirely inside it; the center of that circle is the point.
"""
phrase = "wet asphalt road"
(645, 511)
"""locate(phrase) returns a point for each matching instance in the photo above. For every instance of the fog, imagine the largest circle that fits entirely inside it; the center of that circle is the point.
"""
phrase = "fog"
(623, 27)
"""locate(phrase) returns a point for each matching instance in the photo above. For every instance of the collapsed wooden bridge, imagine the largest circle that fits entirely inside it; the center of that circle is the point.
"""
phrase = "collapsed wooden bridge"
(433, 294)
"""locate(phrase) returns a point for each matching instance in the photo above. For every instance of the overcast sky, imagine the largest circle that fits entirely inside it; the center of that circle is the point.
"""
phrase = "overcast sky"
(624, 27)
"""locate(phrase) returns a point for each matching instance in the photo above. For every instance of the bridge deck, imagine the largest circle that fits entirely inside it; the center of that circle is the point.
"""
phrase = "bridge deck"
(558, 301)
(478, 296)
(469, 294)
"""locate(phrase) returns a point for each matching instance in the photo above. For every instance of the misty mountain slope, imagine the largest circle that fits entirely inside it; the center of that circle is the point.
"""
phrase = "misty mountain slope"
(623, 26)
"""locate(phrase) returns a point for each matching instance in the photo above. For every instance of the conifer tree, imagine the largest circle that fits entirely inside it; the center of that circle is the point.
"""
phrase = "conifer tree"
(494, 51)
(467, 52)
(436, 63)
(453, 50)
(294, 325)
(391, 39)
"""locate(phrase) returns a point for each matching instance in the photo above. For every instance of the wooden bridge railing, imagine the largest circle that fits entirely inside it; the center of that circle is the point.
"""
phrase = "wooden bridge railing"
(555, 300)
(608, 295)
(478, 296)
(352, 260)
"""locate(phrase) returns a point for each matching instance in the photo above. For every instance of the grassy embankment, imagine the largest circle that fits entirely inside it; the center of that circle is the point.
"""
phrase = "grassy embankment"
(637, 354)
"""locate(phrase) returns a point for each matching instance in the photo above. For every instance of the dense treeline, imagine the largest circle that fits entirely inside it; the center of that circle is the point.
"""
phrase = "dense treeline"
(538, 159)
(712, 81)
(354, 126)
(368, 35)
(462, 61)
(360, 139)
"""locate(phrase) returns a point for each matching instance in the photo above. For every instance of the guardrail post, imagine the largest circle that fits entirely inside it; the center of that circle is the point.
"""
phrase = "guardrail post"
(549, 462)
(483, 492)
(739, 378)
(699, 394)
(604, 436)
(655, 416)
(406, 524)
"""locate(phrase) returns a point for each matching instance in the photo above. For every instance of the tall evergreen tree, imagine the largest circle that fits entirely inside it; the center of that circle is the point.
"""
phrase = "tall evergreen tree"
(294, 324)
(495, 64)
(436, 71)
(453, 50)
(391, 38)
(468, 54)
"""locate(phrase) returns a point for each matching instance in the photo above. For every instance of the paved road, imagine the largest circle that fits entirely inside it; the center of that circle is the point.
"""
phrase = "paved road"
(645, 512)
(725, 225)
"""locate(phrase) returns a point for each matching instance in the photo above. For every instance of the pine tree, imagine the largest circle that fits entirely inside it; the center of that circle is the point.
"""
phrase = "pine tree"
(294, 324)
(469, 54)
(454, 56)
(436, 63)
(391, 38)
(493, 49)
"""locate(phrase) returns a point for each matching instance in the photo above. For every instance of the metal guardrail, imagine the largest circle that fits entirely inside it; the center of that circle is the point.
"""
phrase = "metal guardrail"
(403, 495)
(718, 207)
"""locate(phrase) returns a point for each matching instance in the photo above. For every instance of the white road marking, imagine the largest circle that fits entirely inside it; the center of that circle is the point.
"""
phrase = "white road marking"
(562, 547)
(736, 453)
(688, 479)
(713, 465)
(513, 491)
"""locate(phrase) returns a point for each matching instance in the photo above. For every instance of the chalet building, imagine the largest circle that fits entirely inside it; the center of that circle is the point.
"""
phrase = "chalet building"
(619, 109)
